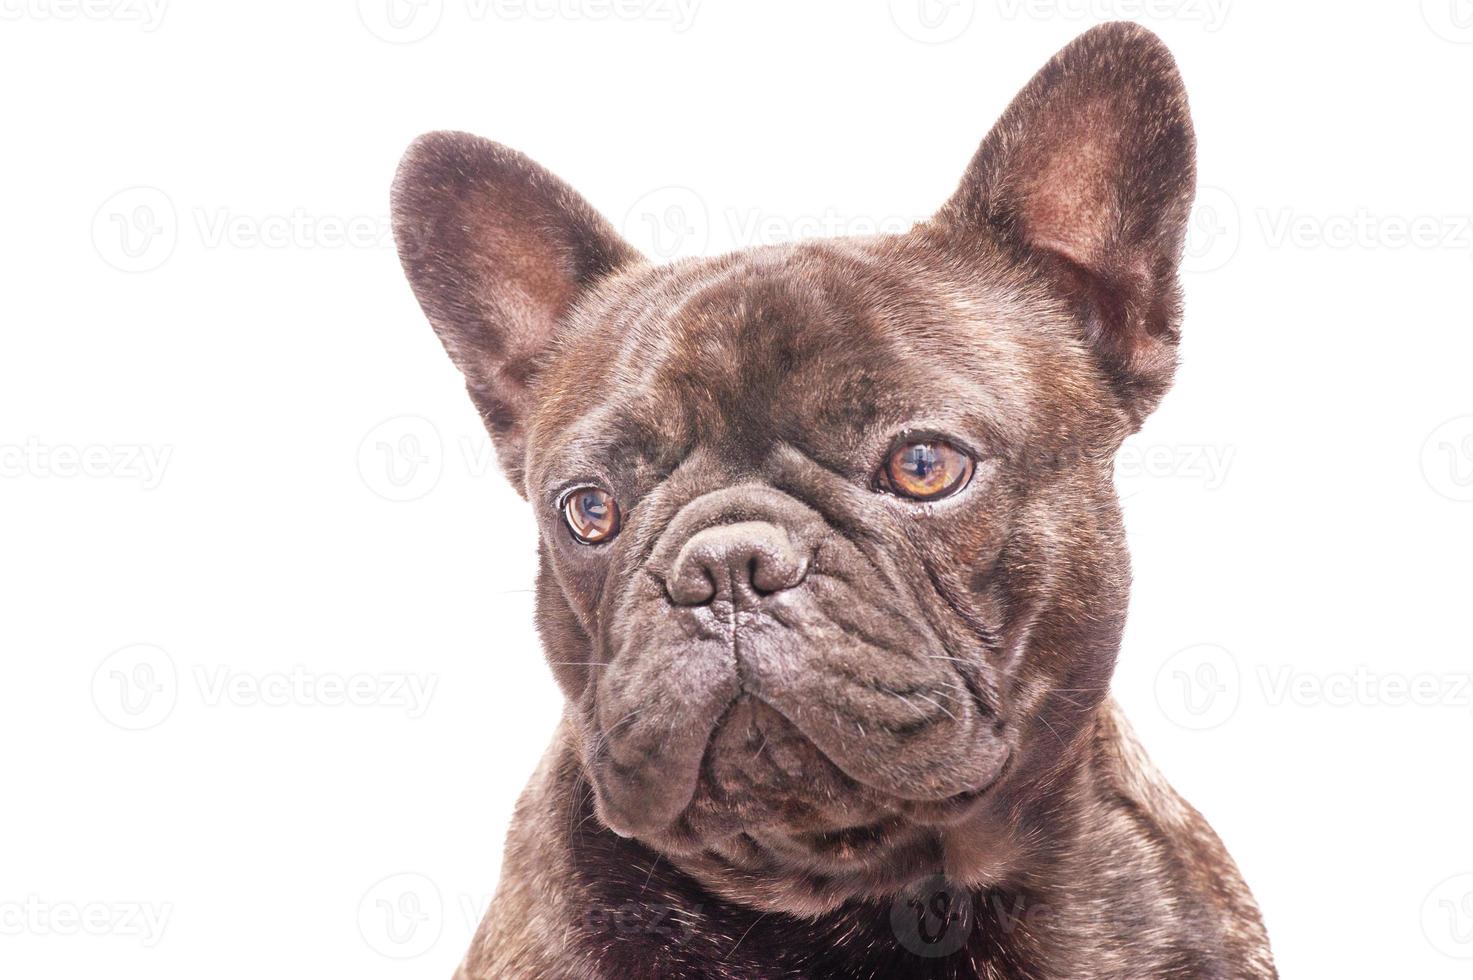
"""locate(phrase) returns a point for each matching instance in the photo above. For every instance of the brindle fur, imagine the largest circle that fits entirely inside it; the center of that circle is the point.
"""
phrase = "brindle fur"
(882, 746)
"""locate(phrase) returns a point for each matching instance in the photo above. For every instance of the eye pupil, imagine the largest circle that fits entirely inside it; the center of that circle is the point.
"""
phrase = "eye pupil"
(921, 460)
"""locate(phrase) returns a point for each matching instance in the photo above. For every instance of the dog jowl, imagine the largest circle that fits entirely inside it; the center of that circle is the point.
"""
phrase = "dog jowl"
(831, 567)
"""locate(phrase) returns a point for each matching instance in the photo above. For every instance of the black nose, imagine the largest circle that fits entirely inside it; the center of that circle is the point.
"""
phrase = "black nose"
(735, 562)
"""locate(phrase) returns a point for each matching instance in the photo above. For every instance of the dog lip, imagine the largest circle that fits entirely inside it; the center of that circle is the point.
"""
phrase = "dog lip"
(633, 821)
(963, 798)
(958, 807)
(921, 801)
(937, 812)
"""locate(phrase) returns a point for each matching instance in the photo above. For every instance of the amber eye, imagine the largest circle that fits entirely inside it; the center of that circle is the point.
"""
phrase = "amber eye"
(927, 470)
(592, 514)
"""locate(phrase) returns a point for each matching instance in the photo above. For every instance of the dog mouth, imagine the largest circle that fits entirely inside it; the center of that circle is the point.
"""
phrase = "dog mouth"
(765, 791)
(837, 704)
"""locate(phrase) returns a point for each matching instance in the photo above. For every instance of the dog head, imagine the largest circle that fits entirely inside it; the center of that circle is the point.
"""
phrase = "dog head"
(830, 552)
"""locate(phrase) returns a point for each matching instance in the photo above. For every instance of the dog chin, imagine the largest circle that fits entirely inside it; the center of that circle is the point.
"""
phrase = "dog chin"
(768, 799)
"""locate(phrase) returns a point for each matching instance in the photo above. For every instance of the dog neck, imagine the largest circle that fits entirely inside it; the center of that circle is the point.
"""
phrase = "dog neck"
(996, 872)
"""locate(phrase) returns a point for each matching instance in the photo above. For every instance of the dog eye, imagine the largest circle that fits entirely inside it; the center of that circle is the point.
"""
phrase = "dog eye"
(927, 470)
(591, 514)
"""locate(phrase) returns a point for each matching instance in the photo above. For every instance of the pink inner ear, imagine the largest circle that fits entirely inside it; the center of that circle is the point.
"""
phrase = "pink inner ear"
(1069, 186)
(1091, 168)
(521, 282)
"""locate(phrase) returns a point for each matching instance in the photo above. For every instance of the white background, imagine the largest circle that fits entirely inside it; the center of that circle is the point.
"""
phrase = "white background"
(240, 477)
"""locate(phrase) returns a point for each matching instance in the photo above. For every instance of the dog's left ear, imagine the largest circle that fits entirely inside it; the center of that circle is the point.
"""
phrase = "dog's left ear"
(498, 251)
(1090, 173)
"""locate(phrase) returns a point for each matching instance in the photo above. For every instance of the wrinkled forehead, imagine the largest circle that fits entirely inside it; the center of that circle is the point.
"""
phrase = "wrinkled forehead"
(820, 348)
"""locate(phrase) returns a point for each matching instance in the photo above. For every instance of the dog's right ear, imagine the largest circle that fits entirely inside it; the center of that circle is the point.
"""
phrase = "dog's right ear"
(1091, 172)
(497, 251)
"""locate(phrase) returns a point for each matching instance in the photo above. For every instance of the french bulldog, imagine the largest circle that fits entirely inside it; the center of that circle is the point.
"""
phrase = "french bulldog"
(831, 568)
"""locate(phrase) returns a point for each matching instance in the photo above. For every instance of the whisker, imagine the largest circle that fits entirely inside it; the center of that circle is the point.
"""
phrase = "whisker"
(744, 935)
(1067, 700)
(1052, 729)
(938, 704)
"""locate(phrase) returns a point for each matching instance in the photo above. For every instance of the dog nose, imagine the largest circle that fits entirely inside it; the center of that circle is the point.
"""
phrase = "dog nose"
(746, 560)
